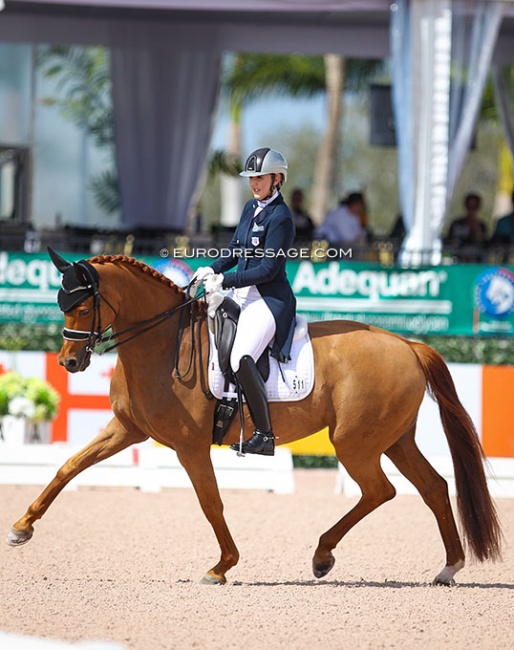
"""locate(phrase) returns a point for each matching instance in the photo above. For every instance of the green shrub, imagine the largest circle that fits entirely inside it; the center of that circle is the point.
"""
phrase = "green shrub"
(29, 397)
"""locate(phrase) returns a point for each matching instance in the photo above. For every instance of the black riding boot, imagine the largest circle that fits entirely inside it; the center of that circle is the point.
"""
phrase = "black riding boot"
(263, 441)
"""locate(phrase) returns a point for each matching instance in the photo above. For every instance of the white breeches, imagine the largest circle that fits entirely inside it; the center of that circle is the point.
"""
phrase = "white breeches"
(255, 330)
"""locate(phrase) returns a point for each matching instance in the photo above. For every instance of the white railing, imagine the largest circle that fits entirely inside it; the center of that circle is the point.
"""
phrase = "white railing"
(148, 467)
(499, 472)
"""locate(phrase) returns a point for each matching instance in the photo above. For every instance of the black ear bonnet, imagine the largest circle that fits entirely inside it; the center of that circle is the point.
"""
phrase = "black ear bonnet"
(79, 281)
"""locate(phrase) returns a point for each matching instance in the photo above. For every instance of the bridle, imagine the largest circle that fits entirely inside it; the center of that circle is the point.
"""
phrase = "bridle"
(96, 334)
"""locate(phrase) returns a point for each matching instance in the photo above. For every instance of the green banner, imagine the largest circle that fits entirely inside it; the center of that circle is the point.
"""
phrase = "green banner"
(446, 300)
(467, 299)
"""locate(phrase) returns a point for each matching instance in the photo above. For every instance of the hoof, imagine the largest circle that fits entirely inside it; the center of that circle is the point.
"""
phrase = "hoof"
(321, 569)
(208, 579)
(18, 537)
(445, 577)
(437, 582)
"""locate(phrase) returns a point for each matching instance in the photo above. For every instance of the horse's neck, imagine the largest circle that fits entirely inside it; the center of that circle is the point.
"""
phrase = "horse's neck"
(142, 299)
(177, 340)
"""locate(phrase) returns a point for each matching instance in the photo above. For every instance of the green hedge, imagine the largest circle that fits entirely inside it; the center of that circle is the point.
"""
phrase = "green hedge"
(17, 336)
(455, 349)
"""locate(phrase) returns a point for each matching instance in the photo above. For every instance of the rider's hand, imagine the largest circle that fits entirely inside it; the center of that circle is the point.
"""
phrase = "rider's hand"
(199, 276)
(213, 283)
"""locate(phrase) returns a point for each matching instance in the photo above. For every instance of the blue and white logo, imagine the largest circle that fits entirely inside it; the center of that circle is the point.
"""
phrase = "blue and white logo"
(176, 270)
(494, 292)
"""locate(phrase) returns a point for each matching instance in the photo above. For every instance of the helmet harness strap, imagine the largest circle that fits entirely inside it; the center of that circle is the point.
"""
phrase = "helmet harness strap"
(275, 186)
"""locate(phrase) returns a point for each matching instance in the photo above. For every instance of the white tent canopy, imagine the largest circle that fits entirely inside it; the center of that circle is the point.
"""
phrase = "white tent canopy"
(166, 58)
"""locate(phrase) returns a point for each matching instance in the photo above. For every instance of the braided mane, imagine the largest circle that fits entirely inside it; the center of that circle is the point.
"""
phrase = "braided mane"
(141, 266)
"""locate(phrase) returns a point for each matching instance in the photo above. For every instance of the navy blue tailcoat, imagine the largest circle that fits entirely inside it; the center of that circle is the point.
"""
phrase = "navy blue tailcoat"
(259, 248)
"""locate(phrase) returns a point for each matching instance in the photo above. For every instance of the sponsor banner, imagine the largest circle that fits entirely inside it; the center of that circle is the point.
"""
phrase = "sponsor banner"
(468, 299)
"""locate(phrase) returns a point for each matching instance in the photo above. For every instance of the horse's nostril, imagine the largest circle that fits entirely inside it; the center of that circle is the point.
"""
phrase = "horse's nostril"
(70, 364)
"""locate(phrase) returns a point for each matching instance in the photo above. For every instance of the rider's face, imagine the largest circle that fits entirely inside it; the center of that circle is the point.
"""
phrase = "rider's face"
(261, 186)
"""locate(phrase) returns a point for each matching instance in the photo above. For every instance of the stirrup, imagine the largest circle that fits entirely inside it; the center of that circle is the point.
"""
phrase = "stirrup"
(261, 442)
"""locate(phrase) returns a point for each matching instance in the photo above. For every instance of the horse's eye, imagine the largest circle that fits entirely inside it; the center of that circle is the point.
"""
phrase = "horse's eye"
(84, 312)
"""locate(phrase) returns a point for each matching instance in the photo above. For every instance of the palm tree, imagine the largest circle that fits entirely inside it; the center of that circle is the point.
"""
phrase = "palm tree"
(324, 173)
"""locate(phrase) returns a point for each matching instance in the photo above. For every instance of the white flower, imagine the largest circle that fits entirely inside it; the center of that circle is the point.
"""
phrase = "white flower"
(22, 407)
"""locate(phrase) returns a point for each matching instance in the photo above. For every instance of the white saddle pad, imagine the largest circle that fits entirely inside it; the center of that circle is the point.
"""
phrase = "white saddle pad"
(290, 382)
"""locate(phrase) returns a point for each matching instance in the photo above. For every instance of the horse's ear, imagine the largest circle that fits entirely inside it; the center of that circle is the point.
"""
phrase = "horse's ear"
(59, 262)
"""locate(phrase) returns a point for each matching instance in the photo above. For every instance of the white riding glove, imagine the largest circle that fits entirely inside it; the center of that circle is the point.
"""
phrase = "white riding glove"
(212, 283)
(199, 276)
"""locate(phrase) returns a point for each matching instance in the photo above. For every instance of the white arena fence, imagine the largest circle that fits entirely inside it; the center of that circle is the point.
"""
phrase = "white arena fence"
(499, 472)
(148, 466)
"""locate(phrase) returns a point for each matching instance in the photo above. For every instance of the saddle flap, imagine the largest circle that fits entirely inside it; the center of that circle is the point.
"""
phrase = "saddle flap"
(225, 325)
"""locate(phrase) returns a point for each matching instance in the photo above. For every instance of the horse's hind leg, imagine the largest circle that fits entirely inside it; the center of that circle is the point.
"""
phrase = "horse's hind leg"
(376, 490)
(434, 491)
(113, 439)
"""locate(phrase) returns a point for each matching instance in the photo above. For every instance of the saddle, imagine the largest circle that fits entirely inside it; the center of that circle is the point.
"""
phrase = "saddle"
(225, 328)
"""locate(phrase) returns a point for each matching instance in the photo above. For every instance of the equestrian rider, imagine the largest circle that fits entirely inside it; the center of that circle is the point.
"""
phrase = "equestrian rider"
(260, 287)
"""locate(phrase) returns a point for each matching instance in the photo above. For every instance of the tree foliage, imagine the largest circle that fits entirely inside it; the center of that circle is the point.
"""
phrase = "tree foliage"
(83, 80)
(253, 76)
(83, 83)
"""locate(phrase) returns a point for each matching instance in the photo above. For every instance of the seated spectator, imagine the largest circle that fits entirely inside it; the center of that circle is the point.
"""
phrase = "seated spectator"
(364, 219)
(343, 225)
(504, 230)
(468, 230)
(398, 230)
(302, 220)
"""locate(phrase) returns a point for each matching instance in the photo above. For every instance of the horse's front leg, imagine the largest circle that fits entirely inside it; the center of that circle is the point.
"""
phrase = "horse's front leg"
(198, 465)
(113, 439)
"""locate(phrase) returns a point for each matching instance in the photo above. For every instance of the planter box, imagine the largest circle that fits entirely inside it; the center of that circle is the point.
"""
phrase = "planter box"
(20, 431)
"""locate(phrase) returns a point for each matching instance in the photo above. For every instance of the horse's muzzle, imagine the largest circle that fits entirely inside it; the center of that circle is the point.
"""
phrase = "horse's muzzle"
(75, 362)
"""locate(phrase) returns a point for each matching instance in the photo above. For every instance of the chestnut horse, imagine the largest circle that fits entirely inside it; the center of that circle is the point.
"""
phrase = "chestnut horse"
(368, 390)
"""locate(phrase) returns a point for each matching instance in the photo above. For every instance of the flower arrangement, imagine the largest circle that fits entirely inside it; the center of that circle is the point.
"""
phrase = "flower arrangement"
(27, 397)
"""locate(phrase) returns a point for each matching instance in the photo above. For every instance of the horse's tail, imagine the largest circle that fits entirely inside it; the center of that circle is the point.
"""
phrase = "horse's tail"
(478, 515)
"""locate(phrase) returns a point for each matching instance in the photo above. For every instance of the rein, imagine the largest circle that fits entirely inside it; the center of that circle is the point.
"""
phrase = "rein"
(141, 327)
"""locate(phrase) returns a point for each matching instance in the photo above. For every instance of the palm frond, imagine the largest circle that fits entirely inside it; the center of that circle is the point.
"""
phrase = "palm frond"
(106, 190)
(222, 162)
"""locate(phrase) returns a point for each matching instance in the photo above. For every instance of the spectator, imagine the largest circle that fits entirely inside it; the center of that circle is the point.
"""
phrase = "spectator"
(398, 231)
(469, 229)
(364, 219)
(504, 230)
(303, 222)
(343, 225)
